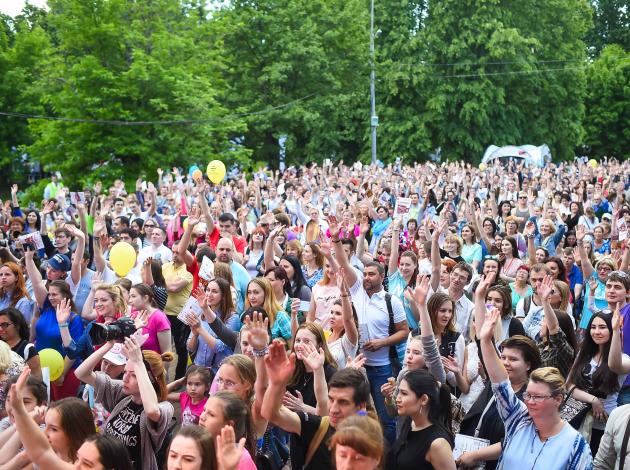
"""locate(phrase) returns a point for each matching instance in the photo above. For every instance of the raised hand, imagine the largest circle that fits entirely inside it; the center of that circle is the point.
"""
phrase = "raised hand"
(63, 311)
(49, 206)
(450, 364)
(193, 322)
(484, 284)
(229, 453)
(313, 358)
(96, 281)
(279, 366)
(364, 227)
(200, 295)
(293, 402)
(617, 320)
(530, 228)
(258, 331)
(487, 330)
(420, 293)
(14, 189)
(333, 226)
(132, 350)
(546, 288)
(580, 233)
(141, 319)
(357, 362)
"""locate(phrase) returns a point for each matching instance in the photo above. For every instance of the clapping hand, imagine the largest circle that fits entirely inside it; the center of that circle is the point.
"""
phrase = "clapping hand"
(141, 319)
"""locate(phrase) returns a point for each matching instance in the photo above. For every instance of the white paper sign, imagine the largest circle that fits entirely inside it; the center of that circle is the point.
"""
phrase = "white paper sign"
(467, 444)
(403, 204)
(206, 270)
(34, 238)
(622, 229)
(191, 306)
(77, 198)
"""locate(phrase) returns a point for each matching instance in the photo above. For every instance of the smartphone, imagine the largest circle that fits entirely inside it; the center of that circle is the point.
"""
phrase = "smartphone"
(305, 306)
(451, 349)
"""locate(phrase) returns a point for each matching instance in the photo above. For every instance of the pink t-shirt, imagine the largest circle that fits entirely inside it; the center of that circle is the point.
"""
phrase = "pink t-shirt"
(190, 412)
(246, 462)
(158, 321)
(324, 297)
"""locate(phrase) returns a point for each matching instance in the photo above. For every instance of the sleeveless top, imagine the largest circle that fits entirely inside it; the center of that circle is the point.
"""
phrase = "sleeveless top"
(410, 450)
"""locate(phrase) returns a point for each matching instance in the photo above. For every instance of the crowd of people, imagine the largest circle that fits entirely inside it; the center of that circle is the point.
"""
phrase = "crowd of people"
(433, 316)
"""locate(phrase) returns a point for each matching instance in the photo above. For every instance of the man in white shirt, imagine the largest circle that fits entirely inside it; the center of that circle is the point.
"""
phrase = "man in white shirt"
(156, 250)
(534, 314)
(369, 299)
(460, 277)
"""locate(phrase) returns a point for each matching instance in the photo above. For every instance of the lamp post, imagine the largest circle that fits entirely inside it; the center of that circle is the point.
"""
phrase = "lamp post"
(373, 116)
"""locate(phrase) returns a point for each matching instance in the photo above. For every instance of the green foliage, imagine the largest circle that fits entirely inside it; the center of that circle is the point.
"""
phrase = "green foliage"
(607, 111)
(611, 25)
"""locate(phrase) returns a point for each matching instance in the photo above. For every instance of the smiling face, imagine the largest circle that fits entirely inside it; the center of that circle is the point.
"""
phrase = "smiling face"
(137, 300)
(599, 331)
(104, 305)
(213, 294)
(255, 295)
(553, 267)
(506, 248)
(228, 379)
(407, 266)
(541, 255)
(302, 338)
(615, 293)
(414, 355)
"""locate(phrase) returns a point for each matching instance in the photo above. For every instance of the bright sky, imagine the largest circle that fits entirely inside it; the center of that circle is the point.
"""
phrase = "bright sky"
(13, 7)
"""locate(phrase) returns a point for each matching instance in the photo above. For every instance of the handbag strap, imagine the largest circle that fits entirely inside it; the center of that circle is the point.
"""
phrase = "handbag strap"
(485, 410)
(624, 446)
(317, 439)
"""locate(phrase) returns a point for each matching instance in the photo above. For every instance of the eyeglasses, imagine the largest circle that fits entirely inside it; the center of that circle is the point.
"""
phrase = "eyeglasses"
(226, 383)
(5, 325)
(535, 398)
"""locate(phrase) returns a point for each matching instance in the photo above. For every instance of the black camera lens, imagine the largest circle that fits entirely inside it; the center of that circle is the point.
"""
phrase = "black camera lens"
(115, 331)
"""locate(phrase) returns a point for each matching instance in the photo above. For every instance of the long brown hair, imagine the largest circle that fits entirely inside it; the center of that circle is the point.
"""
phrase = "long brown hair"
(19, 290)
(76, 420)
(237, 411)
(434, 304)
(300, 368)
(226, 304)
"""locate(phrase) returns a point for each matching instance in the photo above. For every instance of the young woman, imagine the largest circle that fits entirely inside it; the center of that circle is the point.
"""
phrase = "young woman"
(549, 236)
(260, 294)
(298, 286)
(13, 291)
(323, 296)
(595, 381)
(358, 444)
(105, 303)
(601, 245)
(471, 251)
(215, 302)
(152, 276)
(499, 297)
(343, 340)
(588, 219)
(450, 342)
(279, 283)
(293, 248)
(15, 332)
(401, 275)
(70, 441)
(520, 288)
(223, 408)
(139, 411)
(426, 438)
(452, 248)
(158, 326)
(558, 343)
(304, 383)
(313, 264)
(535, 432)
(254, 253)
(510, 261)
(47, 329)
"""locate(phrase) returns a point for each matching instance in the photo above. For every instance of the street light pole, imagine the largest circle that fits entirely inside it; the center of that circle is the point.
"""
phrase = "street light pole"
(373, 117)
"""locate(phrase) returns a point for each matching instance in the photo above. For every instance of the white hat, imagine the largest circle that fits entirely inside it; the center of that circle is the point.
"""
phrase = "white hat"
(116, 356)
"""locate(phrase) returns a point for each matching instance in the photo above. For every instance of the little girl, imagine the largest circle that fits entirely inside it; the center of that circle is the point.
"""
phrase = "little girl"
(193, 400)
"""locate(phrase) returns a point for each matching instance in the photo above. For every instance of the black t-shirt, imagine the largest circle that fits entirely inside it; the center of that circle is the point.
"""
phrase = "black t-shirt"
(322, 459)
(22, 351)
(126, 428)
(411, 448)
(306, 386)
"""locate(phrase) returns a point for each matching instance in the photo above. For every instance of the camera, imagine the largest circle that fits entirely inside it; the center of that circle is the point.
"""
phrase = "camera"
(4, 243)
(115, 331)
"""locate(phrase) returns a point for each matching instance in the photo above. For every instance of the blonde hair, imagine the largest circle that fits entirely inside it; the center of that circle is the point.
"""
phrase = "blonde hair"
(563, 287)
(551, 377)
(552, 226)
(5, 357)
(297, 246)
(245, 369)
(115, 293)
(270, 304)
(457, 240)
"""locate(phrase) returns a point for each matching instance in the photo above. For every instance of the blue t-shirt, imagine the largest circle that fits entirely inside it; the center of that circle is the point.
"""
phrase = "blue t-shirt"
(575, 277)
(47, 334)
(212, 357)
(600, 301)
(396, 286)
(241, 279)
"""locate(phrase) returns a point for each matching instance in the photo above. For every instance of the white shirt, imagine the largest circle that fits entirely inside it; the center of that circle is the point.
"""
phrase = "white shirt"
(162, 254)
(374, 320)
(463, 310)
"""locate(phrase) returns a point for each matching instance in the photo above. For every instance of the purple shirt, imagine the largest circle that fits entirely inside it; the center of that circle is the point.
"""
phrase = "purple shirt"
(625, 314)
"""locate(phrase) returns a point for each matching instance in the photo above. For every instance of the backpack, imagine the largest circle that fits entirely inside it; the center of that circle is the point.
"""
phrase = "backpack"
(393, 354)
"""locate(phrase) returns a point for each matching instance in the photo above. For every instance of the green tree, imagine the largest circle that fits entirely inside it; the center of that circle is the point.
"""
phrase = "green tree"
(493, 74)
(310, 53)
(611, 25)
(131, 61)
(607, 110)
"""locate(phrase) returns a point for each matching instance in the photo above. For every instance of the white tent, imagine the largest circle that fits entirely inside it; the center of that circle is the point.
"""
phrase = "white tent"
(532, 155)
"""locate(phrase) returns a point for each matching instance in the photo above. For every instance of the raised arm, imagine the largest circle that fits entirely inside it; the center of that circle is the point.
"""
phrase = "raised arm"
(315, 360)
(340, 254)
(279, 370)
(205, 210)
(617, 362)
(259, 340)
(33, 438)
(39, 289)
(530, 229)
(544, 291)
(182, 246)
(268, 251)
(150, 404)
(346, 308)
(88, 312)
(85, 372)
(494, 366)
(395, 248)
(436, 259)
(586, 265)
(75, 271)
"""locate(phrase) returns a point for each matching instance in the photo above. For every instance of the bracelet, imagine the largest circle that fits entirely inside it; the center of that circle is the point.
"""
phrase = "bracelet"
(346, 295)
(63, 325)
(335, 240)
(260, 352)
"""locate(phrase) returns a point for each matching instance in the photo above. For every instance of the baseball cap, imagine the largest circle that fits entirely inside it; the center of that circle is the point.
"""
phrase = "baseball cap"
(115, 355)
(60, 262)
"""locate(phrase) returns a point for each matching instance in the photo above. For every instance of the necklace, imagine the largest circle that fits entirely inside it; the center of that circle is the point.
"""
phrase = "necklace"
(539, 452)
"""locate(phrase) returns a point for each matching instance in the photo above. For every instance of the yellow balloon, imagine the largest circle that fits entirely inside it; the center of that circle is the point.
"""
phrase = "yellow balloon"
(53, 360)
(122, 257)
(197, 174)
(185, 224)
(593, 163)
(482, 166)
(216, 171)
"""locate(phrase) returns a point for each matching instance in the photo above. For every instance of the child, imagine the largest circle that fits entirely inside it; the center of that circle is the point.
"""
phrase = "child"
(193, 400)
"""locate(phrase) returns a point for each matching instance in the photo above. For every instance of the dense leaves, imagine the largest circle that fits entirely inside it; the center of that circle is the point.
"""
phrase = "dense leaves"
(455, 74)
